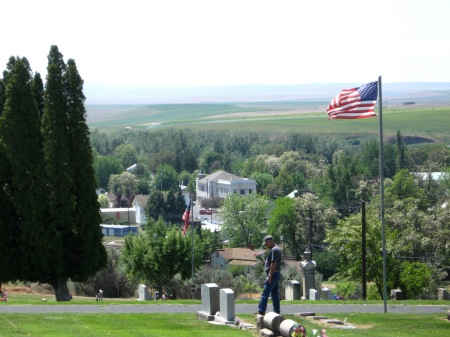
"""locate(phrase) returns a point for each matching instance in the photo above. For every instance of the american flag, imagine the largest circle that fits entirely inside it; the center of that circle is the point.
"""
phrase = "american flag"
(185, 218)
(354, 103)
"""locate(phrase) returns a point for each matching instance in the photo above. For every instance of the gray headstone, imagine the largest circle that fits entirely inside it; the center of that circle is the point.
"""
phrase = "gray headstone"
(314, 295)
(396, 294)
(443, 294)
(308, 280)
(227, 304)
(210, 298)
(326, 294)
(144, 294)
(292, 290)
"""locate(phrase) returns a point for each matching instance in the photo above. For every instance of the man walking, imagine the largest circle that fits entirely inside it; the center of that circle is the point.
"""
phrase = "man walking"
(272, 269)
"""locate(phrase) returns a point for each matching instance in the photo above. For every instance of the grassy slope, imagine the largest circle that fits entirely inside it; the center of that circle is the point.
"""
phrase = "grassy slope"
(427, 122)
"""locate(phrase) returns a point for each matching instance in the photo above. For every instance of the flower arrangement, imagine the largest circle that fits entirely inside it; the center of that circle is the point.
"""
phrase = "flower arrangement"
(239, 323)
(298, 331)
(259, 255)
(314, 331)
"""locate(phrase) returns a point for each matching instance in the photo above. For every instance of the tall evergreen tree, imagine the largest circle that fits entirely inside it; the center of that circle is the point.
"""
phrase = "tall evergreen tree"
(38, 93)
(85, 253)
(59, 182)
(22, 196)
(2, 94)
(73, 207)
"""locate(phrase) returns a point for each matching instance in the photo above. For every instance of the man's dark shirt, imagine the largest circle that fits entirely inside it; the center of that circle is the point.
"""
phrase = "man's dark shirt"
(274, 255)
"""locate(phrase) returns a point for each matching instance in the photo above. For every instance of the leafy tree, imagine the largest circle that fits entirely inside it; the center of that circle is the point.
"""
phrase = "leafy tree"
(188, 160)
(283, 222)
(327, 263)
(245, 219)
(262, 180)
(157, 255)
(123, 186)
(345, 242)
(156, 205)
(414, 278)
(166, 178)
(162, 158)
(411, 234)
(404, 186)
(313, 219)
(172, 209)
(340, 182)
(103, 201)
(126, 155)
(143, 186)
(272, 191)
(210, 161)
(104, 167)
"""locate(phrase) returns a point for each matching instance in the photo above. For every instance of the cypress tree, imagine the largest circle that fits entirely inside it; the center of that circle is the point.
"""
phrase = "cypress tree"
(72, 214)
(87, 254)
(22, 197)
(38, 92)
(57, 176)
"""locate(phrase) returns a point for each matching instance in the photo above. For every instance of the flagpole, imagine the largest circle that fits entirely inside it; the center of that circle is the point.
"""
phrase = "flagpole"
(192, 237)
(381, 168)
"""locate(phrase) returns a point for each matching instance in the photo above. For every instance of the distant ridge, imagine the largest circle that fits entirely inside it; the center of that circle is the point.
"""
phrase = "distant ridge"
(115, 94)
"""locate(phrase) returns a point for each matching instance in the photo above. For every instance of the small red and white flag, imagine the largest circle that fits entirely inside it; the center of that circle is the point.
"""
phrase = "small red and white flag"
(354, 103)
(185, 218)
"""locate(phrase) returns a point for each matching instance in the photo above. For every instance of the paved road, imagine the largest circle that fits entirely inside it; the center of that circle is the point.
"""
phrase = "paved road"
(240, 308)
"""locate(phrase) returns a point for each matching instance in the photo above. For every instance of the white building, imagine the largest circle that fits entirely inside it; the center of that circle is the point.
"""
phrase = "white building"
(121, 215)
(221, 183)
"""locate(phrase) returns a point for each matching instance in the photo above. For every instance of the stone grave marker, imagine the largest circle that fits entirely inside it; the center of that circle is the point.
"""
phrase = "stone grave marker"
(326, 294)
(210, 298)
(144, 294)
(292, 290)
(227, 307)
(314, 295)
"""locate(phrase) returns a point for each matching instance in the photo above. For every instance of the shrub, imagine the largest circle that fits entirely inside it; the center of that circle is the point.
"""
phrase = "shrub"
(372, 292)
(327, 263)
(349, 290)
(111, 279)
(414, 278)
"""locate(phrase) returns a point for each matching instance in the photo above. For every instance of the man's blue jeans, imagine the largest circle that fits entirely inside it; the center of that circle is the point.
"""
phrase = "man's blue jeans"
(270, 289)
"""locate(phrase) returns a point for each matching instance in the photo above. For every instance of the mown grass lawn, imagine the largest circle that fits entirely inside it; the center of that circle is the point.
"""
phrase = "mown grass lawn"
(108, 324)
(117, 325)
(161, 325)
(385, 325)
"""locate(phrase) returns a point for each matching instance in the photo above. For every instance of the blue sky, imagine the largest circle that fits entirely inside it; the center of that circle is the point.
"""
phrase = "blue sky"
(233, 42)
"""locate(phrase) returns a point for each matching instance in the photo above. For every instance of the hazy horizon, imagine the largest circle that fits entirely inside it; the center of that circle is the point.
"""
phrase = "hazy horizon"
(141, 94)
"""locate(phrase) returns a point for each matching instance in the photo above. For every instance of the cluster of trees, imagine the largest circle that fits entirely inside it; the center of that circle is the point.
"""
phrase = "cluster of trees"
(49, 219)
(331, 178)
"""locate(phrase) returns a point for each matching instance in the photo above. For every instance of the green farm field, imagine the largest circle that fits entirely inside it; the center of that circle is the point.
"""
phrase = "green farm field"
(431, 123)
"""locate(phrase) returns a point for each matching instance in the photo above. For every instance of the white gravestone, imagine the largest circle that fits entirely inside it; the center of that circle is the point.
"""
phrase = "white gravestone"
(227, 307)
(144, 294)
(210, 298)
(292, 290)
